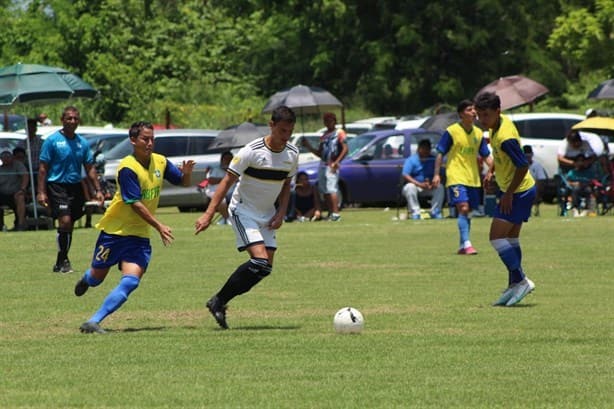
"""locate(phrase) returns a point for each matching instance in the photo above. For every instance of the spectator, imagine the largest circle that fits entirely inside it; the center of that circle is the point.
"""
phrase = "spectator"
(580, 180)
(13, 185)
(306, 199)
(34, 143)
(539, 175)
(418, 172)
(462, 143)
(19, 154)
(63, 156)
(43, 119)
(576, 143)
(332, 150)
(214, 177)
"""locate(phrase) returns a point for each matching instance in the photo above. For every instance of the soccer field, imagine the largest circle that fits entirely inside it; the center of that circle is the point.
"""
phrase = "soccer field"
(431, 338)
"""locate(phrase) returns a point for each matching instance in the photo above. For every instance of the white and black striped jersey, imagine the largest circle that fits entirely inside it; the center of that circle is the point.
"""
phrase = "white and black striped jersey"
(261, 173)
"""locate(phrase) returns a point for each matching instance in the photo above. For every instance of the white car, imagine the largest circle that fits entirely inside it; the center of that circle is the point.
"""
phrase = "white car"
(545, 132)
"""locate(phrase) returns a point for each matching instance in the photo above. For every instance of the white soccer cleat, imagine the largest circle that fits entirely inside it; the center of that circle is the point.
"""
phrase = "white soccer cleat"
(505, 296)
(520, 290)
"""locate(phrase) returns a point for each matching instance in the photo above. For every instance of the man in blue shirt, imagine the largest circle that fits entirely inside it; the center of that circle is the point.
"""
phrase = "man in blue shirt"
(63, 156)
(418, 172)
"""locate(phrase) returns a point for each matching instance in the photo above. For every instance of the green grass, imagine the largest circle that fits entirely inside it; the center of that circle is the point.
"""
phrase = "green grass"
(431, 338)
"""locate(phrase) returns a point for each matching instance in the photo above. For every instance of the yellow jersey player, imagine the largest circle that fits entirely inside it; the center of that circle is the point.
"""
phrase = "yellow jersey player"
(125, 226)
(516, 195)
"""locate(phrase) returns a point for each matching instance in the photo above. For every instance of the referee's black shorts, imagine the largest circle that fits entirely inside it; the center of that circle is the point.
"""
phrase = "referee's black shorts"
(66, 199)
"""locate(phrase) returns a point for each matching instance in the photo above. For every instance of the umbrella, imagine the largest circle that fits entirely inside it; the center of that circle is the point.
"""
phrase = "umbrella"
(605, 90)
(515, 91)
(21, 83)
(239, 135)
(33, 83)
(440, 122)
(598, 124)
(307, 100)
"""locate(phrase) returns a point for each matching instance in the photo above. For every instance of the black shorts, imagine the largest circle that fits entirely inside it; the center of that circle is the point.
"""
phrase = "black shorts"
(66, 199)
(7, 200)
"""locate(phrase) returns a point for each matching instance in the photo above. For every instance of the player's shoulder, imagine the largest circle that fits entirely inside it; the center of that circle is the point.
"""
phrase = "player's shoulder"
(292, 148)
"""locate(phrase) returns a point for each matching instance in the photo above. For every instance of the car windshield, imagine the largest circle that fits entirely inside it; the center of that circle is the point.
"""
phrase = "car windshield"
(119, 151)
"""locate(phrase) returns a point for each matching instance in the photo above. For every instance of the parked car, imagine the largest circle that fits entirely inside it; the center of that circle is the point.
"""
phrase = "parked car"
(177, 145)
(371, 173)
(10, 140)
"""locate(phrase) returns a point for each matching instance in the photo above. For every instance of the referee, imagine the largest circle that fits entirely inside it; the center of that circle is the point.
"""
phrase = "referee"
(63, 156)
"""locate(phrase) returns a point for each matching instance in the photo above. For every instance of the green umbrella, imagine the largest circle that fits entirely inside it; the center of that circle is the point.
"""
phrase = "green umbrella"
(22, 83)
(33, 83)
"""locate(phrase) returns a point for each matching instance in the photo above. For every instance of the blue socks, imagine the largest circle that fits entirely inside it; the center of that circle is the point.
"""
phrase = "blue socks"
(116, 297)
(511, 255)
(464, 226)
(91, 281)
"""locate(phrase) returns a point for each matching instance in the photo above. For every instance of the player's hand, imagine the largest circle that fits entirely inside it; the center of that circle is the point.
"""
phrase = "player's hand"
(505, 203)
(187, 166)
(276, 221)
(202, 222)
(166, 235)
(435, 182)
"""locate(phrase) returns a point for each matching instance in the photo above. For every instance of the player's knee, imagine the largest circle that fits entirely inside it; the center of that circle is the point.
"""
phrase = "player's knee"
(260, 267)
(129, 283)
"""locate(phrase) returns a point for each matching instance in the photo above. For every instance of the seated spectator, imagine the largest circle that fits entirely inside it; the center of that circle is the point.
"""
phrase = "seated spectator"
(13, 184)
(43, 119)
(306, 200)
(580, 180)
(214, 177)
(587, 144)
(418, 171)
(539, 175)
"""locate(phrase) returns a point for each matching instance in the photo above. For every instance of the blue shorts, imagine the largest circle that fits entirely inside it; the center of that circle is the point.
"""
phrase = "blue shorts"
(464, 194)
(112, 249)
(522, 203)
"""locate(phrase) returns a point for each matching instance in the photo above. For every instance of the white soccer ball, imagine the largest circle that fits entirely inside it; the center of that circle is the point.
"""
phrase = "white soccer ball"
(348, 320)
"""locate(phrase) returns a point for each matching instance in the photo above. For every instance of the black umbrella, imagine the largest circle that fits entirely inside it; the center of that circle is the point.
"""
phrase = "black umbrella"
(440, 122)
(240, 135)
(33, 83)
(605, 90)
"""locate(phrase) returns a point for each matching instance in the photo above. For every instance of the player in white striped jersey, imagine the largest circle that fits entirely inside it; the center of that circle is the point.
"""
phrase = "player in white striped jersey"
(262, 170)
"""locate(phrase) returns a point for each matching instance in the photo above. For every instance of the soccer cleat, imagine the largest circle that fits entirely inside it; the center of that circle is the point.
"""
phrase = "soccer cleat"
(56, 268)
(90, 327)
(334, 217)
(81, 287)
(436, 216)
(470, 251)
(66, 267)
(415, 217)
(218, 311)
(505, 296)
(521, 290)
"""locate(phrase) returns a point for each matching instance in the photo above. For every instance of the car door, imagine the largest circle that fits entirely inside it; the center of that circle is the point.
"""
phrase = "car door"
(373, 174)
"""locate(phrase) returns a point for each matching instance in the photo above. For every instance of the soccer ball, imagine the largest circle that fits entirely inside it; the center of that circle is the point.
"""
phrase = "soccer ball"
(348, 320)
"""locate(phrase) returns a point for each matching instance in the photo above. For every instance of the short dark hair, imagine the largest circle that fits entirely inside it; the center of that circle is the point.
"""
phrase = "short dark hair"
(527, 149)
(137, 127)
(18, 149)
(487, 100)
(573, 136)
(70, 108)
(463, 105)
(283, 113)
(424, 143)
(226, 153)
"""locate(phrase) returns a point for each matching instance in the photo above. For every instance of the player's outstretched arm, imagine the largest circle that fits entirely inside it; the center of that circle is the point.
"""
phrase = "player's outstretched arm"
(220, 193)
(166, 234)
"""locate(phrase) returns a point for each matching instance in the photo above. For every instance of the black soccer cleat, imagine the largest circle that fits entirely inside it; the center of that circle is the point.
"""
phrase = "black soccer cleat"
(81, 287)
(91, 328)
(218, 311)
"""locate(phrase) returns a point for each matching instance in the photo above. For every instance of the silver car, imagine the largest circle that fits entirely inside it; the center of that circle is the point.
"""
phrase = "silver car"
(177, 145)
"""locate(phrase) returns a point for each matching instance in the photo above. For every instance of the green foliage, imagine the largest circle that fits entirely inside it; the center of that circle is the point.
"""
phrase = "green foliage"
(216, 62)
